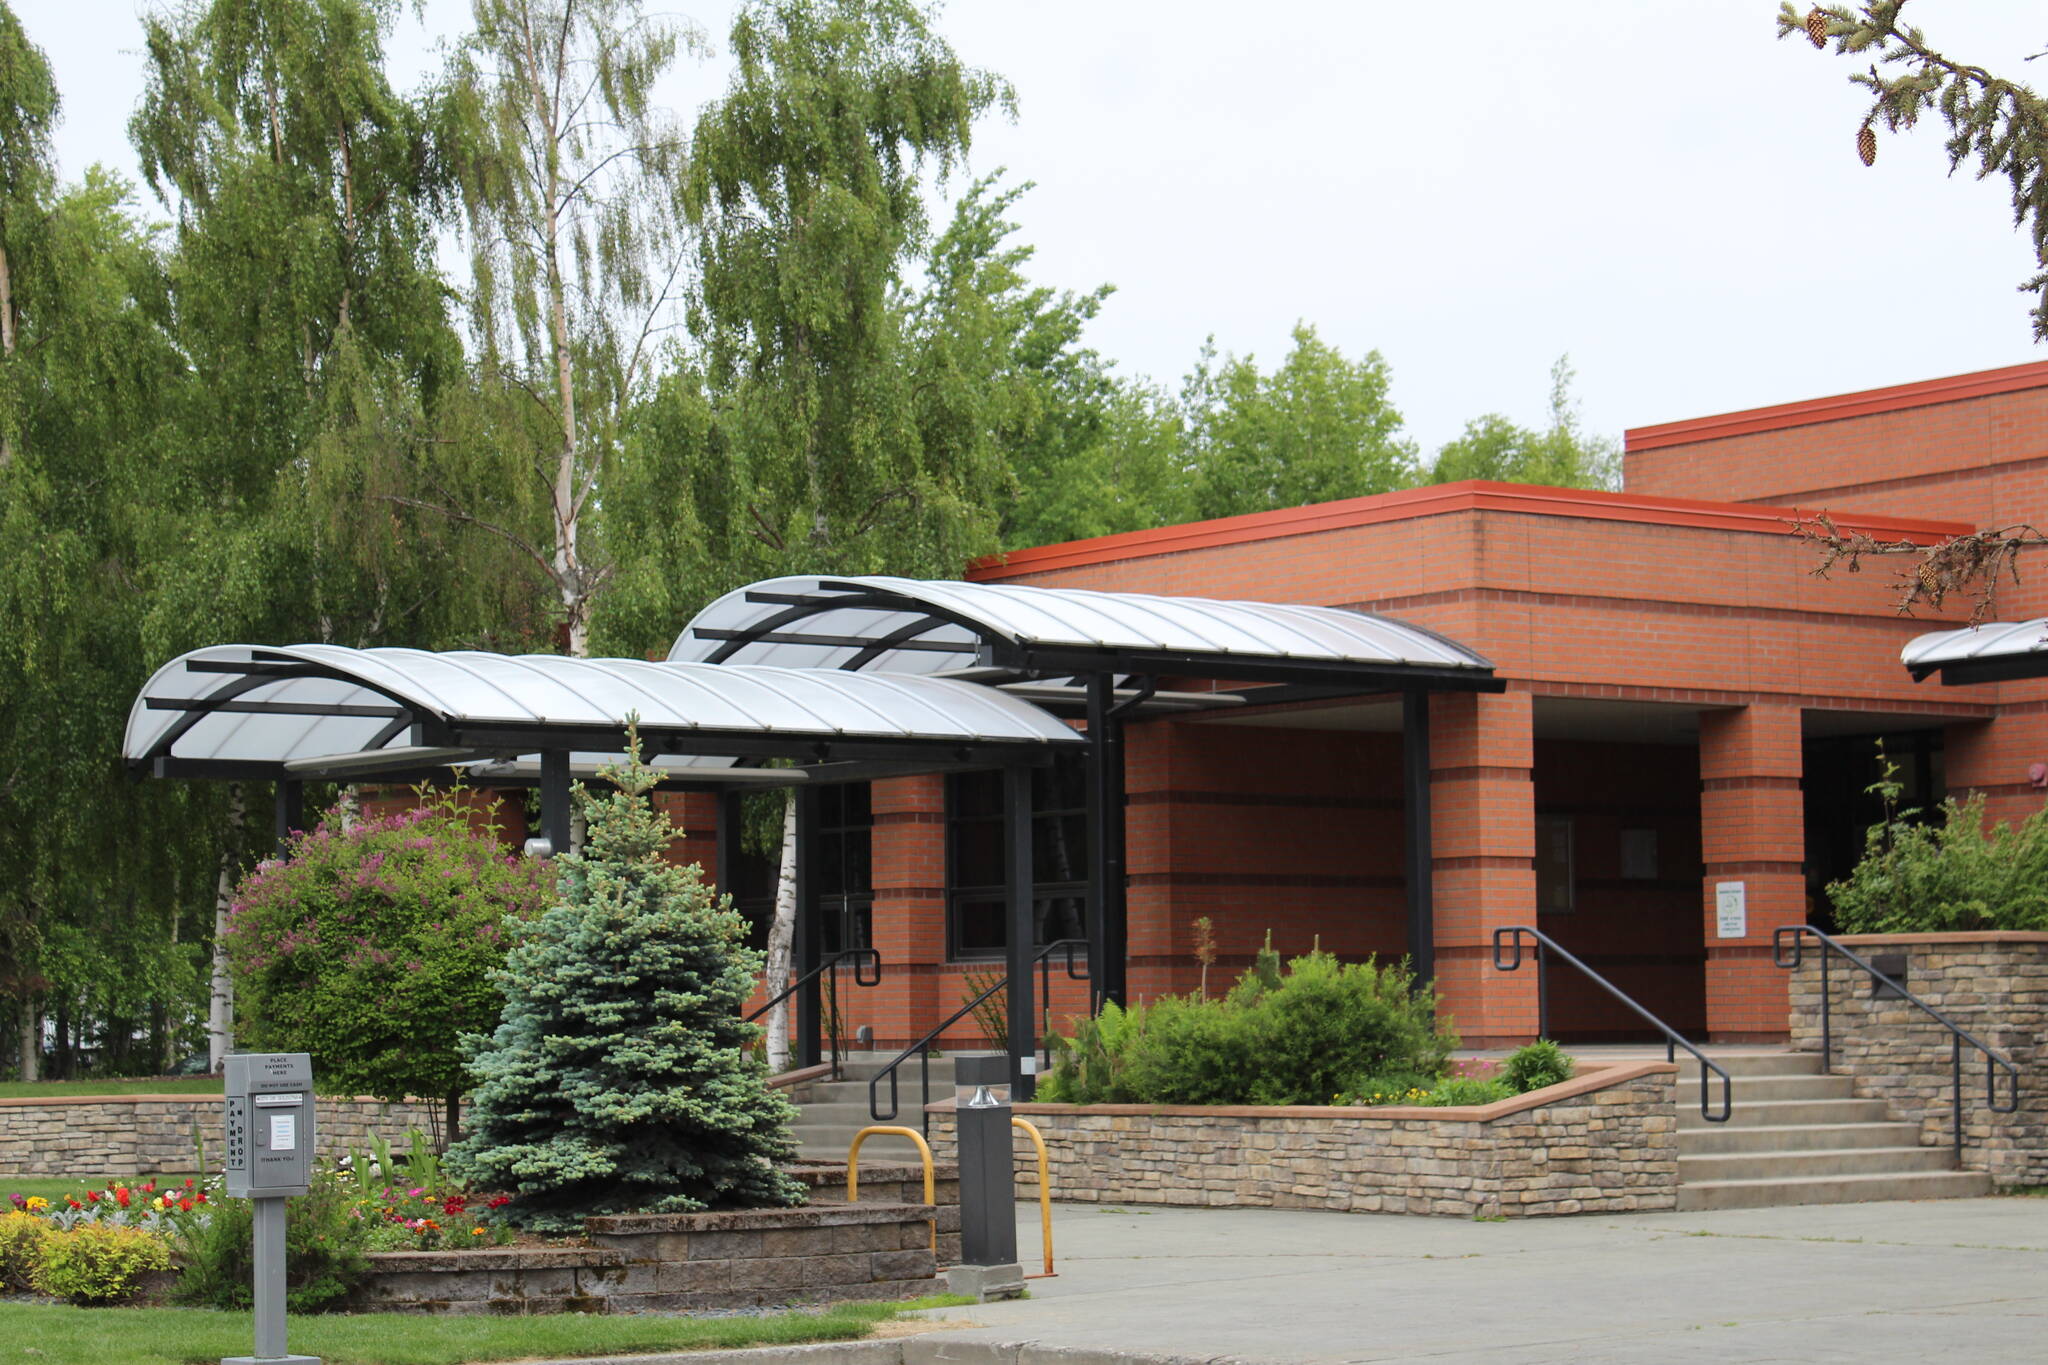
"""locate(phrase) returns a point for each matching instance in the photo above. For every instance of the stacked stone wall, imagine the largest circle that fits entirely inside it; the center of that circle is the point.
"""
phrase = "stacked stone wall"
(124, 1135)
(1604, 1143)
(1995, 985)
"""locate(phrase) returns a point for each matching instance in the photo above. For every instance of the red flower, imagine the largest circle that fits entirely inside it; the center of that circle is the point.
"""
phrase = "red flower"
(74, 1203)
(499, 1201)
(121, 1196)
(91, 1197)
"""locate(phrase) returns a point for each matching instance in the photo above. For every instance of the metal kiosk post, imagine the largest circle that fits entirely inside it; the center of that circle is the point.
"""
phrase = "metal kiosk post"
(988, 1182)
(269, 1157)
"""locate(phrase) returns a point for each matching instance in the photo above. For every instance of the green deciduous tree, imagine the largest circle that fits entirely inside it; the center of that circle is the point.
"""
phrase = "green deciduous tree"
(619, 1079)
(1319, 427)
(1563, 455)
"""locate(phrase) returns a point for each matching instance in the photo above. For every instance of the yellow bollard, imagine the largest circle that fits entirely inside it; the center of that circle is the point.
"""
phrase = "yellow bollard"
(1044, 1191)
(924, 1149)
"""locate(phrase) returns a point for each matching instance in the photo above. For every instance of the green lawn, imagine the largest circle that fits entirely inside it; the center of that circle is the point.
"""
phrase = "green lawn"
(55, 1187)
(57, 1090)
(49, 1335)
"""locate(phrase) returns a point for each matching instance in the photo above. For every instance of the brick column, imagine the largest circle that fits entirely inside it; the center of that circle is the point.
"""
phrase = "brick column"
(1752, 832)
(695, 816)
(909, 913)
(1483, 798)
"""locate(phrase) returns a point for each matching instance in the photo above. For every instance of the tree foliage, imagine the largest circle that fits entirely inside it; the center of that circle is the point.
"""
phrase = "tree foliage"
(1318, 428)
(619, 1079)
(1999, 123)
(1563, 455)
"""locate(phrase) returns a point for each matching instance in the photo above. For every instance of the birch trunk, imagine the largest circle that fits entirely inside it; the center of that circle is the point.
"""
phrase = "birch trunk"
(781, 934)
(220, 1012)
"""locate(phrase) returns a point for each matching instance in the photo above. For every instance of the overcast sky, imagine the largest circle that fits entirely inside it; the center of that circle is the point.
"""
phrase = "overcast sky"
(1663, 191)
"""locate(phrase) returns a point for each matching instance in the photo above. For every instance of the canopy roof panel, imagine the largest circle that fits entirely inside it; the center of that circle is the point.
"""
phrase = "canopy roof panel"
(1993, 652)
(320, 709)
(913, 626)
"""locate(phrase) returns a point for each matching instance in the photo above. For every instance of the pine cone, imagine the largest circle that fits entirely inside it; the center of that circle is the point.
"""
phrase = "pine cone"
(1817, 26)
(1866, 145)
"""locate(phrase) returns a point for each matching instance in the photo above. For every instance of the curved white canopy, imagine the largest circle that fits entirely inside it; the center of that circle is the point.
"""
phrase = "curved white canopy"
(1992, 652)
(903, 625)
(316, 709)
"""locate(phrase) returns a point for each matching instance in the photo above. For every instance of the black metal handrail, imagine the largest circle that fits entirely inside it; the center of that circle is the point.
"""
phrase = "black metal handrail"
(1673, 1039)
(862, 958)
(920, 1049)
(1797, 934)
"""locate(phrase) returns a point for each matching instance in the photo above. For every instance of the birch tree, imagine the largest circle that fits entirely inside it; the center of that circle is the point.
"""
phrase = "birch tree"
(569, 176)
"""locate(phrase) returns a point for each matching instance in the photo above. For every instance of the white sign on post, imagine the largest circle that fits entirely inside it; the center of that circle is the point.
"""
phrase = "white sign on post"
(1731, 909)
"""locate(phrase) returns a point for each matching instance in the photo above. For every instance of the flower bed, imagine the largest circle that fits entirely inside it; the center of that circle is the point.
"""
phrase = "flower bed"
(1604, 1142)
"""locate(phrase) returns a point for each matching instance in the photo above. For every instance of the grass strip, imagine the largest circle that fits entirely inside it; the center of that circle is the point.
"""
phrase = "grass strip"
(51, 1334)
(67, 1090)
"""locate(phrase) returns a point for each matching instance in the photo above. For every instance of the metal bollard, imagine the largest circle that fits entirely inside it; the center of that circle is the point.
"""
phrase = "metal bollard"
(988, 1182)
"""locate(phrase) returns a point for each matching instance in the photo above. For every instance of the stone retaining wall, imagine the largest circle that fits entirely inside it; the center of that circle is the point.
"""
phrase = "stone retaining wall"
(1605, 1142)
(739, 1258)
(123, 1135)
(1993, 984)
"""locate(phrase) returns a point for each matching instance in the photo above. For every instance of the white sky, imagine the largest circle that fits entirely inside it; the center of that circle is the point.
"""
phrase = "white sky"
(1472, 188)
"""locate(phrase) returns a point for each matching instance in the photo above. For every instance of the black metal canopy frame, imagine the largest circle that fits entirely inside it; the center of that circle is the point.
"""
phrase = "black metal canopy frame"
(841, 679)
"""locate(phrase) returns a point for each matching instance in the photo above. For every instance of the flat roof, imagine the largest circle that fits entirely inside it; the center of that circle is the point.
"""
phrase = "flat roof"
(1838, 407)
(1439, 500)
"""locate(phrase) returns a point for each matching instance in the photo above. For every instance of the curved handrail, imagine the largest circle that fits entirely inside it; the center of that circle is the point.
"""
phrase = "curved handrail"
(1044, 1193)
(1673, 1039)
(1797, 934)
(919, 1048)
(861, 958)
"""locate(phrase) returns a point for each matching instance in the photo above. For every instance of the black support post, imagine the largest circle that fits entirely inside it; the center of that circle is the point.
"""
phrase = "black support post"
(1108, 932)
(727, 847)
(807, 944)
(1415, 791)
(1023, 926)
(554, 799)
(290, 810)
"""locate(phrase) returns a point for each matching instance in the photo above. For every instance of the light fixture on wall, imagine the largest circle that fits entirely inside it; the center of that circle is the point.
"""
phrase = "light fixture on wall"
(2037, 774)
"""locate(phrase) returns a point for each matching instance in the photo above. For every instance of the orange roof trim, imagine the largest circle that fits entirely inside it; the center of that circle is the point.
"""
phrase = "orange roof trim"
(1439, 500)
(1925, 393)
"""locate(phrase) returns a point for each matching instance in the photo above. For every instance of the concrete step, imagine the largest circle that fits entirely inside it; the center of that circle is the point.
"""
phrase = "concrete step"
(1741, 1064)
(1778, 1113)
(1838, 1189)
(824, 1143)
(1759, 1089)
(1825, 1161)
(1726, 1139)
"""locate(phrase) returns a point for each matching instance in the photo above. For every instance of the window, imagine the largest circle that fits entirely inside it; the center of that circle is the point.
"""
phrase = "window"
(842, 866)
(1554, 864)
(977, 902)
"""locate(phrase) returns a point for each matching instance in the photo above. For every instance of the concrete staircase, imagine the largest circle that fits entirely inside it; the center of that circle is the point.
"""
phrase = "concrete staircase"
(833, 1111)
(1800, 1137)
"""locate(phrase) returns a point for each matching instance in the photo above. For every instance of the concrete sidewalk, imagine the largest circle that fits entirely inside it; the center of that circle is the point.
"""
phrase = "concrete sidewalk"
(1963, 1280)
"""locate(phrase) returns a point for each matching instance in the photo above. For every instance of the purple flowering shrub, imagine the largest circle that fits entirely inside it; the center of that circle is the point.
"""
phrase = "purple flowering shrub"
(373, 948)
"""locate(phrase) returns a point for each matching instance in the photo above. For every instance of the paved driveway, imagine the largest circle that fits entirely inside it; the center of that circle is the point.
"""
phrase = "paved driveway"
(1948, 1282)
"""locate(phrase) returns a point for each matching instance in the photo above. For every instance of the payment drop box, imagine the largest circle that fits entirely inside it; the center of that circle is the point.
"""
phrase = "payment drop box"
(270, 1124)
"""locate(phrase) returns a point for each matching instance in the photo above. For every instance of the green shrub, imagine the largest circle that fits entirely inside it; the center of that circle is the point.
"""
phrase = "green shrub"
(1532, 1067)
(97, 1263)
(1460, 1090)
(1318, 1029)
(372, 947)
(1951, 874)
(21, 1246)
(324, 1240)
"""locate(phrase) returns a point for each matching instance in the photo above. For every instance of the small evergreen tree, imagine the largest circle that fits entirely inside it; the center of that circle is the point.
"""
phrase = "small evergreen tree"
(619, 1079)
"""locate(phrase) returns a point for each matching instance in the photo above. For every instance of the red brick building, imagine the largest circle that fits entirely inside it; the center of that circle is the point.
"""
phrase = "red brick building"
(1686, 708)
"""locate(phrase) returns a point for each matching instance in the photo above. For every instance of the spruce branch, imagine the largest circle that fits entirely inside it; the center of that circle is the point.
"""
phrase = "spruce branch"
(1972, 565)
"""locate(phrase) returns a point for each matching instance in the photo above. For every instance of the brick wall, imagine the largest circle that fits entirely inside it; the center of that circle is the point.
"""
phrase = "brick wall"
(1604, 1143)
(1995, 985)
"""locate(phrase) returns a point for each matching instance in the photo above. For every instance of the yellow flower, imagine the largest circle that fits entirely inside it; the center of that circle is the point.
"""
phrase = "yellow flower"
(476, 1232)
(36, 1203)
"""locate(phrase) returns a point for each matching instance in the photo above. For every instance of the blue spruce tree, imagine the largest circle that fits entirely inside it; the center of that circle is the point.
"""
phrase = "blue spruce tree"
(619, 1080)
